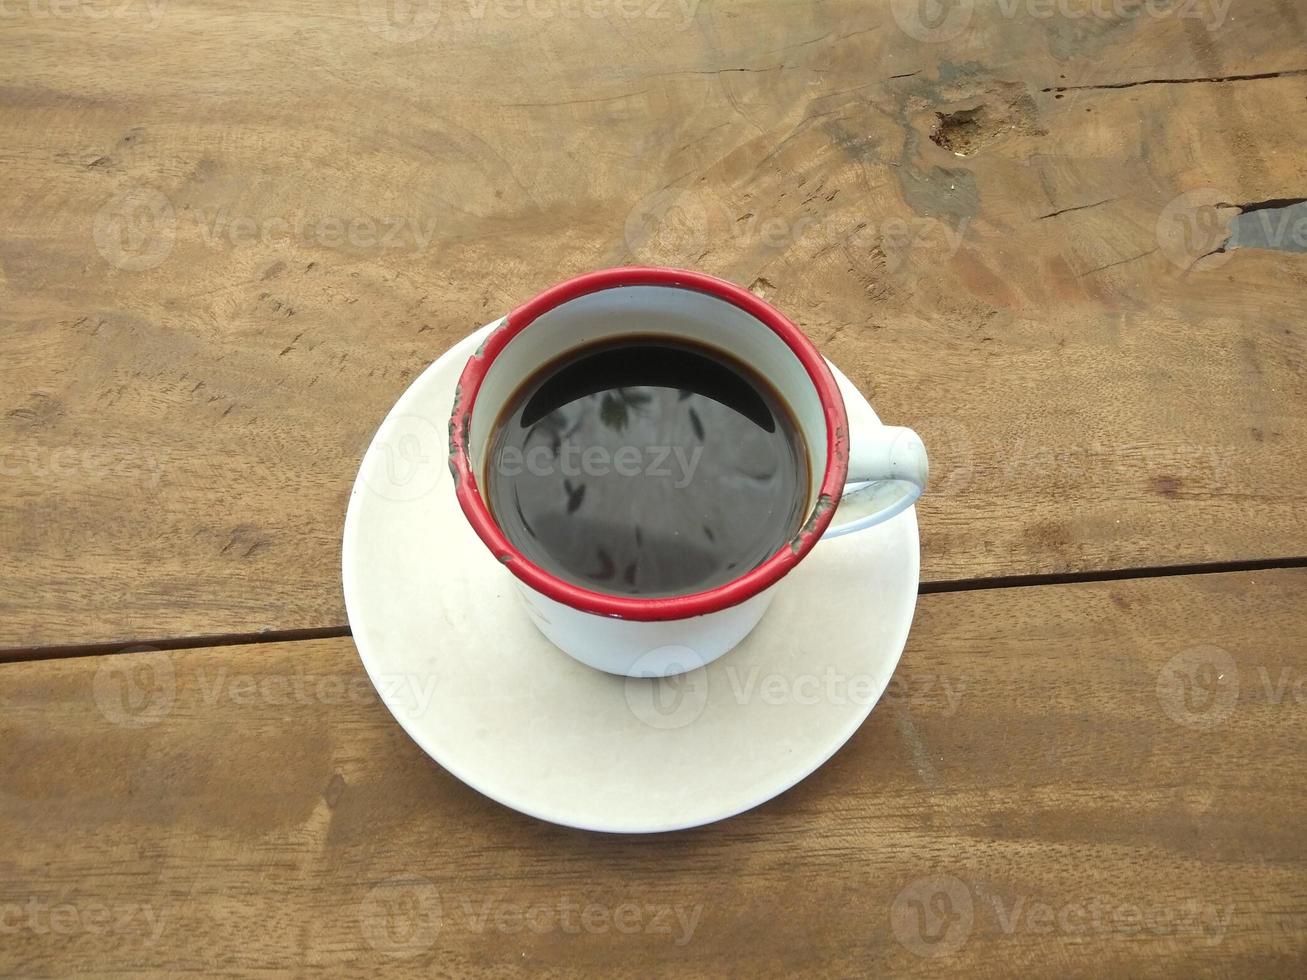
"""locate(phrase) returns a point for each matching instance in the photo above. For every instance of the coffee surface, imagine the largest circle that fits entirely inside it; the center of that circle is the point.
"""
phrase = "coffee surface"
(647, 467)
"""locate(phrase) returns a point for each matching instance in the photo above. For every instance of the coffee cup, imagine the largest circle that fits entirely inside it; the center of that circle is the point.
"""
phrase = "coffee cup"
(859, 472)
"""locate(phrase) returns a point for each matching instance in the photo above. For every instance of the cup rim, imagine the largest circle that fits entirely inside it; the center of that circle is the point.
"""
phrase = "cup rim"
(665, 608)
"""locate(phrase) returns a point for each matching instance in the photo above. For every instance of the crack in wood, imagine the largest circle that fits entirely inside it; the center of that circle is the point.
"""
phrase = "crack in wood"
(1078, 207)
(1111, 265)
(1275, 202)
(1216, 79)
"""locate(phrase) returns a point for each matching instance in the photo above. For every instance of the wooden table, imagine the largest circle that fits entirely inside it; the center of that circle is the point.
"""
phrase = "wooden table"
(1062, 240)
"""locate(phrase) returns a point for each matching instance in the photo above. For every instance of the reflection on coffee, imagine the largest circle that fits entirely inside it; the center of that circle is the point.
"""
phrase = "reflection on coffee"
(647, 467)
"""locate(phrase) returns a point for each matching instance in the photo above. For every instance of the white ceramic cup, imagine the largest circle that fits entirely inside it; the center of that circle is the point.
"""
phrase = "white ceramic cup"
(858, 478)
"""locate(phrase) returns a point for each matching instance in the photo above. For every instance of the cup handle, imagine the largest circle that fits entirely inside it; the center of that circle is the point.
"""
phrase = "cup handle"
(887, 469)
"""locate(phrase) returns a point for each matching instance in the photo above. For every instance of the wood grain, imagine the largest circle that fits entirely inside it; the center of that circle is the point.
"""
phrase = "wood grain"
(223, 260)
(1097, 779)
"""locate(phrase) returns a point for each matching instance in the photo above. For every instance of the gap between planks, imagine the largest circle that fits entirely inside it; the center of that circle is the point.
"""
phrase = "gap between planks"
(25, 654)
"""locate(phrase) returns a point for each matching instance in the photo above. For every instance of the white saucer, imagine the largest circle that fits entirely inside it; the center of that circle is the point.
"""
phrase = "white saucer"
(448, 645)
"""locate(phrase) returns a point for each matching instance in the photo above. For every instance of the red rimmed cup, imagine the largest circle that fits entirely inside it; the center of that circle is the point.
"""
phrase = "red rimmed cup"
(858, 477)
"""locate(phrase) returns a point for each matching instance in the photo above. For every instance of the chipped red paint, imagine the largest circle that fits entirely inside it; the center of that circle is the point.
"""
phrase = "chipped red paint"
(625, 607)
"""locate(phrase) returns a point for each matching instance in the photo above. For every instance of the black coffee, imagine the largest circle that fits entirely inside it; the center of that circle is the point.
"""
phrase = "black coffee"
(648, 468)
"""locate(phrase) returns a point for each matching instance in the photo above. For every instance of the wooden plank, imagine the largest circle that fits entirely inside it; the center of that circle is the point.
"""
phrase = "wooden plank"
(224, 260)
(1096, 778)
